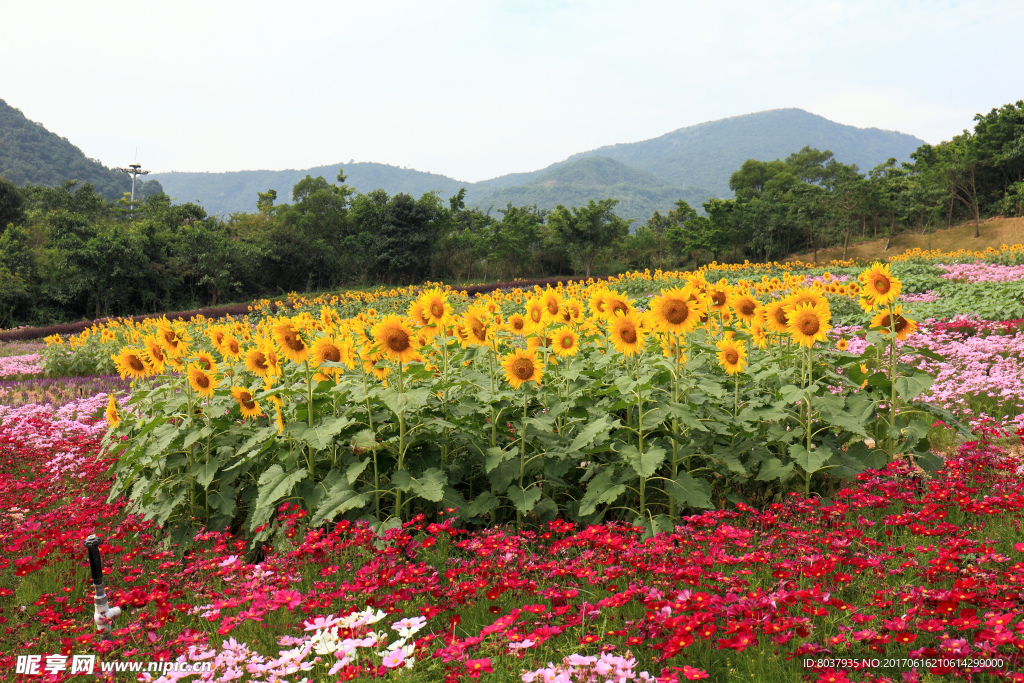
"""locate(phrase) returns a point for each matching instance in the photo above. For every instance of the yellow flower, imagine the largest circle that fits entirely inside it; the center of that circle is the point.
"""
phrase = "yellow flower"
(565, 342)
(202, 383)
(775, 316)
(113, 419)
(903, 327)
(130, 363)
(842, 344)
(616, 304)
(745, 306)
(395, 340)
(552, 302)
(206, 362)
(808, 323)
(676, 311)
(720, 295)
(475, 331)
(880, 287)
(522, 366)
(249, 407)
(626, 333)
(292, 344)
(328, 350)
(516, 324)
(231, 347)
(536, 314)
(174, 345)
(732, 355)
(256, 362)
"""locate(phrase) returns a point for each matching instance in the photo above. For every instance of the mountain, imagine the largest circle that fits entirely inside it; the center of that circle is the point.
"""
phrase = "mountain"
(225, 193)
(574, 182)
(691, 163)
(706, 155)
(32, 155)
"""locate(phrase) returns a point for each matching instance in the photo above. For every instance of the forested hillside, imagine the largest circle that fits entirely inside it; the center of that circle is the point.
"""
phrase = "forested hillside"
(691, 163)
(32, 155)
(706, 155)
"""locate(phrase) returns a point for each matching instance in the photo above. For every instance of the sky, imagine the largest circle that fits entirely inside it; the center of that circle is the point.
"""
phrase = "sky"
(476, 89)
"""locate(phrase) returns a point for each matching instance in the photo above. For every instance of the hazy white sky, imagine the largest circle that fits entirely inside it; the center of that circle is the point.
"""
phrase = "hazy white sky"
(475, 89)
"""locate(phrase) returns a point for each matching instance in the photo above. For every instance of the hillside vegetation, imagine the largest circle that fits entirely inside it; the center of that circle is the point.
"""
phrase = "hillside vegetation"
(994, 232)
(691, 163)
(32, 155)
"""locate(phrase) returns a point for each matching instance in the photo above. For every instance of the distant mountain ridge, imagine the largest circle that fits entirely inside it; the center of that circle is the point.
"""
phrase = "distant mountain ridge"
(682, 157)
(691, 163)
(32, 155)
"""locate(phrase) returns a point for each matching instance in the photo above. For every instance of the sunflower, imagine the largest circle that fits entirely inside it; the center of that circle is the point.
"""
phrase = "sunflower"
(475, 331)
(329, 350)
(154, 354)
(113, 419)
(202, 382)
(745, 306)
(843, 344)
(720, 295)
(131, 363)
(880, 287)
(516, 324)
(249, 407)
(536, 314)
(522, 366)
(802, 295)
(673, 347)
(616, 304)
(808, 323)
(572, 311)
(217, 335)
(231, 347)
(206, 362)
(395, 340)
(565, 342)
(627, 333)
(175, 345)
(732, 356)
(775, 316)
(257, 363)
(287, 336)
(552, 302)
(675, 311)
(903, 327)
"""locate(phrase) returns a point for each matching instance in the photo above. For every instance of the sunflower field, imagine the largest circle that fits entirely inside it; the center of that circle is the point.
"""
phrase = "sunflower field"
(754, 472)
(575, 403)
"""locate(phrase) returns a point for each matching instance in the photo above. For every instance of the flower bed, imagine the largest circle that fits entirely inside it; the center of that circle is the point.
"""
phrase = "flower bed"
(895, 567)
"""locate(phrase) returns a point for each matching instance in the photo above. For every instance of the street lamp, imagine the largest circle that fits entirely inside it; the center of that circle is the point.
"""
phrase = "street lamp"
(133, 170)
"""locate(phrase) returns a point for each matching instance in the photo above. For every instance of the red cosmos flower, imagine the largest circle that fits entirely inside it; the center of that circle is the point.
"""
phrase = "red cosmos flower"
(831, 676)
(475, 667)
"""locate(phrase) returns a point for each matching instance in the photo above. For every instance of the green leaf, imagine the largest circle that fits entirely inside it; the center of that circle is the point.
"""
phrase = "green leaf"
(929, 462)
(644, 465)
(694, 492)
(205, 472)
(910, 387)
(355, 469)
(430, 486)
(366, 440)
(600, 491)
(774, 469)
(483, 504)
(589, 433)
(321, 436)
(223, 501)
(275, 484)
(341, 498)
(792, 394)
(809, 461)
(495, 456)
(524, 500)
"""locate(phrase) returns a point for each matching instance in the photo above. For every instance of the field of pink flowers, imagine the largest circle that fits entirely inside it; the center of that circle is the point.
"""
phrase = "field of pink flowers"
(899, 577)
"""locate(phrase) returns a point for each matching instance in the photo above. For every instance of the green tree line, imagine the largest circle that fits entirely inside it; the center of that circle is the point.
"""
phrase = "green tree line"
(68, 253)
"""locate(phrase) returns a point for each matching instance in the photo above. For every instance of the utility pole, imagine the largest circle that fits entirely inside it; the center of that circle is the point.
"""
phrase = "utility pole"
(133, 170)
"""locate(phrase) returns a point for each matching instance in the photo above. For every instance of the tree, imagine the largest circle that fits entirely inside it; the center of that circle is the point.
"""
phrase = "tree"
(12, 204)
(588, 230)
